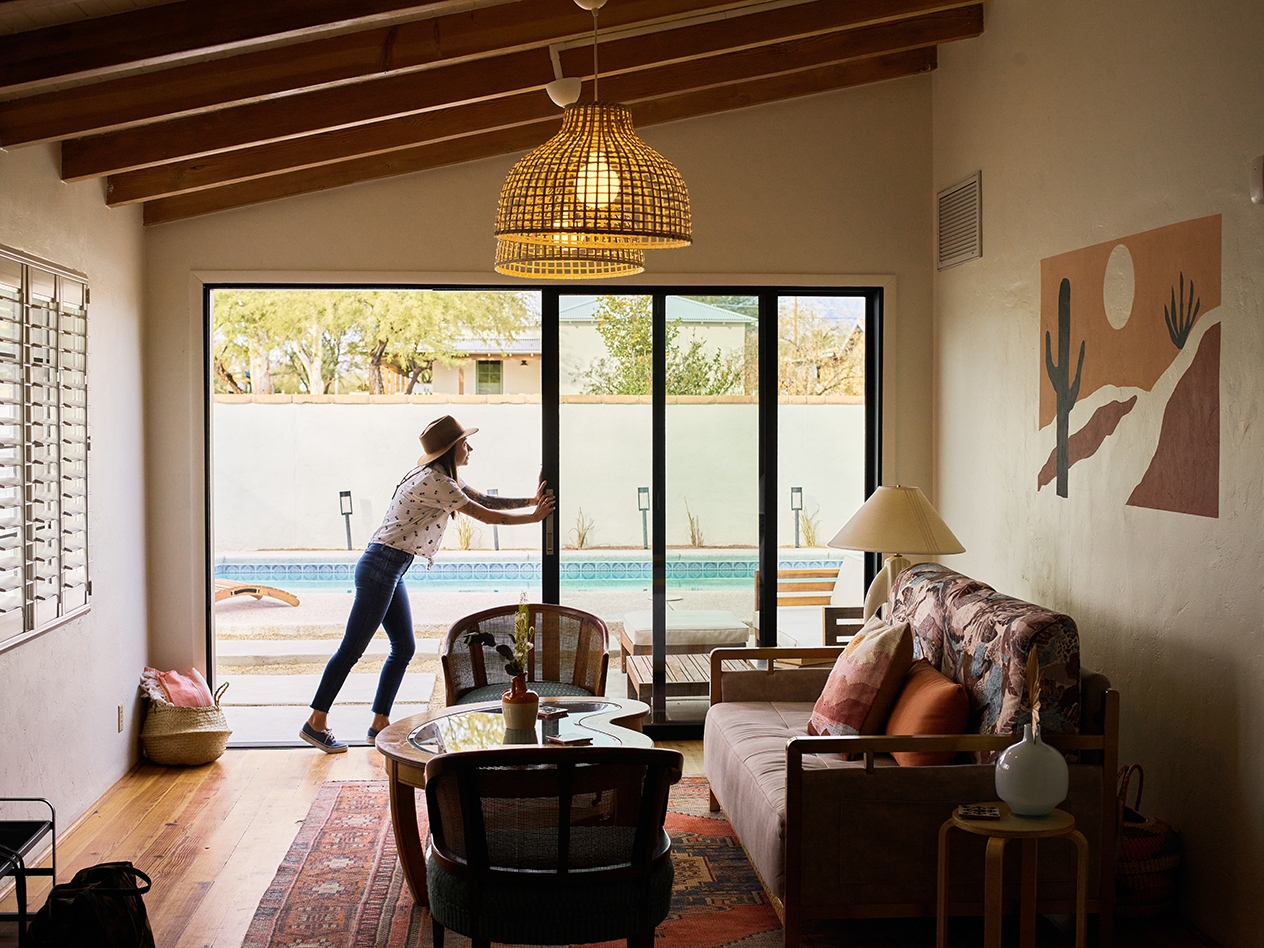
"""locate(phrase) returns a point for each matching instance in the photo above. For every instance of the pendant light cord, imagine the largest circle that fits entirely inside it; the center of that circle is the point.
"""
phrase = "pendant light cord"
(595, 98)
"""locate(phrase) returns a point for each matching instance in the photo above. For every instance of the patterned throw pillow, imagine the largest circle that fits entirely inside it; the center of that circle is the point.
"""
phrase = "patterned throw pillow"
(865, 681)
(929, 703)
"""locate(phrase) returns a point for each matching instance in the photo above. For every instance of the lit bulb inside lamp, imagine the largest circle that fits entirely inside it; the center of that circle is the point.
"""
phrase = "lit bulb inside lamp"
(598, 183)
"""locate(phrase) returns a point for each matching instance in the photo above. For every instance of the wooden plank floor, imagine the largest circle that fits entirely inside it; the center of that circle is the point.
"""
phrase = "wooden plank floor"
(212, 837)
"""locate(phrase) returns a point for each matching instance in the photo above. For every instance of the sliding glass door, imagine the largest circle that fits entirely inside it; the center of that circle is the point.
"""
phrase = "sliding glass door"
(698, 443)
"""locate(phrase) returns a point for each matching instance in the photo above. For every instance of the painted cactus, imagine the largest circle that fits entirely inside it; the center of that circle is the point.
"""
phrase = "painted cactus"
(1181, 321)
(1059, 376)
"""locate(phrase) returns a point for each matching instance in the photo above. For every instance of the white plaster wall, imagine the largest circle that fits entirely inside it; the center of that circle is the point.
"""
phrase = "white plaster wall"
(59, 692)
(1092, 121)
(828, 188)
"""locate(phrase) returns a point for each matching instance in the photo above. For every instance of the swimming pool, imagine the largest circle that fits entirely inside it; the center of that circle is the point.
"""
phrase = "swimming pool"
(510, 570)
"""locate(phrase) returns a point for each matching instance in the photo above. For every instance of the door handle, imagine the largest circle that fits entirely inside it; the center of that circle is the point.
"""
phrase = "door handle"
(548, 528)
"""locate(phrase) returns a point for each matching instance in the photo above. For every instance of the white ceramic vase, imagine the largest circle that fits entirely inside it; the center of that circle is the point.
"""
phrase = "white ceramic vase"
(1031, 776)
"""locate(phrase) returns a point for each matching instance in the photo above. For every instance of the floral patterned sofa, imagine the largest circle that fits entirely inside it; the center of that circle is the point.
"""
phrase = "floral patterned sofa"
(835, 838)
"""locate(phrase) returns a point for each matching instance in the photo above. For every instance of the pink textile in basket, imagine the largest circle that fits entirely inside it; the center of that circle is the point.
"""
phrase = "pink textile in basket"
(189, 690)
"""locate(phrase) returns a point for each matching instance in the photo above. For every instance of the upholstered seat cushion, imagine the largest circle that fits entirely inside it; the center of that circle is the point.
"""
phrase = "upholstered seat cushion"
(545, 689)
(528, 913)
(744, 755)
(713, 627)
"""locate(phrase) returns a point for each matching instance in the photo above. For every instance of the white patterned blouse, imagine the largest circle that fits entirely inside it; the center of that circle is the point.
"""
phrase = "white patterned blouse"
(419, 511)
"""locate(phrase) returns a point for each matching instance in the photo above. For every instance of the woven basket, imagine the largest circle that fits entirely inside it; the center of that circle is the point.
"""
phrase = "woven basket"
(190, 736)
(1149, 856)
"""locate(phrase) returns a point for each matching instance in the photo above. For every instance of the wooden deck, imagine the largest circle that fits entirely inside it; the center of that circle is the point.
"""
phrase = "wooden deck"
(687, 675)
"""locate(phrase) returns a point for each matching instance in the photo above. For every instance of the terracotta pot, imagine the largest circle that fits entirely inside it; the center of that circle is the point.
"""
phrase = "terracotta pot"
(519, 705)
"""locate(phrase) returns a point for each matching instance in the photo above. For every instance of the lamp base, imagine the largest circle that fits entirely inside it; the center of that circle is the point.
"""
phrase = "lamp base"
(880, 588)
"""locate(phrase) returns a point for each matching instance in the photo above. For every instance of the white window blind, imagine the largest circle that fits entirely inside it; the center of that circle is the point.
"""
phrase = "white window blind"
(43, 446)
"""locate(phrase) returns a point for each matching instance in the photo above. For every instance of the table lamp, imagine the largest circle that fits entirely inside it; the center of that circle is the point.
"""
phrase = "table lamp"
(895, 518)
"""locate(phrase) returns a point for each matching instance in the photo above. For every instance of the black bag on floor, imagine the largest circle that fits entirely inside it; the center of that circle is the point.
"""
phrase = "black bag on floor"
(101, 907)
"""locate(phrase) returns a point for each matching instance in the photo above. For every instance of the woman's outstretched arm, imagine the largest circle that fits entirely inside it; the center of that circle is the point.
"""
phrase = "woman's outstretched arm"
(500, 518)
(492, 502)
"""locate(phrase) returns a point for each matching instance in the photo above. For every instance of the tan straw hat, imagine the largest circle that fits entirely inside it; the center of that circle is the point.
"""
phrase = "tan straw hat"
(439, 436)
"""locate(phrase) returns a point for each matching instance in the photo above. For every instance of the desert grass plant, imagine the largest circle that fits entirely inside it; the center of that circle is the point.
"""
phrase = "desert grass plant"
(695, 527)
(466, 535)
(808, 525)
(583, 527)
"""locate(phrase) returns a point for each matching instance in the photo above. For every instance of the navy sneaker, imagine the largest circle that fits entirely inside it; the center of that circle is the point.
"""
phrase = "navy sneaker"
(325, 739)
(373, 733)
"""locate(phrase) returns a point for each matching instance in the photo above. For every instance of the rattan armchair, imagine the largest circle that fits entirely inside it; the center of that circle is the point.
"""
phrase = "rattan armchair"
(570, 655)
(550, 845)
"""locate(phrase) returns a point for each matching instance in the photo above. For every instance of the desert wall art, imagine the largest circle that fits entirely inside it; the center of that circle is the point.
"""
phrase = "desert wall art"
(1130, 328)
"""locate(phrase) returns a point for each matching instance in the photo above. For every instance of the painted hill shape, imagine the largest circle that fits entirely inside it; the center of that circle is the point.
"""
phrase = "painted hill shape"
(1184, 474)
(1085, 442)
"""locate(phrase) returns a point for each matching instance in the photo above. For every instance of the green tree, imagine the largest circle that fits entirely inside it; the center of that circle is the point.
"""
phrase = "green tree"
(319, 341)
(247, 336)
(431, 327)
(626, 325)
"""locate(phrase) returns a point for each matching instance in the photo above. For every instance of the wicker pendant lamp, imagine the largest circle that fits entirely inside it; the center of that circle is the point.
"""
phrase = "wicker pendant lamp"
(557, 262)
(595, 184)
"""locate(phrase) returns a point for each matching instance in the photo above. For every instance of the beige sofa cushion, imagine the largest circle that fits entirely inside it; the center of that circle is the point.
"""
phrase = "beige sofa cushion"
(744, 755)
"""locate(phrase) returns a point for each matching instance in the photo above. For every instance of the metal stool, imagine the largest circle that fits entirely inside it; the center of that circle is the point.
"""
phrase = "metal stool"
(18, 839)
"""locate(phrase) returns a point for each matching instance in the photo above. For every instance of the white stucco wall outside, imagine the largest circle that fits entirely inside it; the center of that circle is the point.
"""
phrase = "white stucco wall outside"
(1092, 121)
(279, 469)
(59, 692)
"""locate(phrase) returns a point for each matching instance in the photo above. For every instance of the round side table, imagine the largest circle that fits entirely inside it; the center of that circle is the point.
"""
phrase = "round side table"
(999, 832)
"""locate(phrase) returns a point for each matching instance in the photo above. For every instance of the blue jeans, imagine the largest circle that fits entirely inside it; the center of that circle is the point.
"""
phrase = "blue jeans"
(380, 600)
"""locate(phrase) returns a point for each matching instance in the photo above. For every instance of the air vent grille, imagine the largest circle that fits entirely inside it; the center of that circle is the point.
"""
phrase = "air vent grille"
(961, 222)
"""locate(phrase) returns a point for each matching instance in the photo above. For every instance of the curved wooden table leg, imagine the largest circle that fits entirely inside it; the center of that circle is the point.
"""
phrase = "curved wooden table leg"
(1027, 898)
(992, 887)
(412, 854)
(941, 895)
(1081, 888)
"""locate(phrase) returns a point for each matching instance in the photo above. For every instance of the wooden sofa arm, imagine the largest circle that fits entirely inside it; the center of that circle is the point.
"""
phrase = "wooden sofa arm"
(869, 745)
(768, 658)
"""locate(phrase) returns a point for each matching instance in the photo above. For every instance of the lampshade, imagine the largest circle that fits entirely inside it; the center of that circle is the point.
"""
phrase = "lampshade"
(566, 263)
(897, 520)
(595, 184)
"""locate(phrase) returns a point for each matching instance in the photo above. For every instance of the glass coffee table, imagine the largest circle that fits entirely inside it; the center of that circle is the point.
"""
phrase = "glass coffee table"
(407, 744)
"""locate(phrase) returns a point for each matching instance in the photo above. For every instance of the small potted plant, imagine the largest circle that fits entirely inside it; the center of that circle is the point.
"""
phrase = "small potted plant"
(519, 704)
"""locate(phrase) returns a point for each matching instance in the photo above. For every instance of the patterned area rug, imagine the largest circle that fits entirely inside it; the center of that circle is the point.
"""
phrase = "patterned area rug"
(340, 885)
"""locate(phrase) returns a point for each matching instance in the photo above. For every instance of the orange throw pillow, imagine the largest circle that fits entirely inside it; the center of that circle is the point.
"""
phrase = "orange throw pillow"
(929, 703)
(865, 680)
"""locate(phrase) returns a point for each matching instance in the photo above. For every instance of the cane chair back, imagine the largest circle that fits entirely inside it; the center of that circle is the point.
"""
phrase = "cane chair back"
(570, 655)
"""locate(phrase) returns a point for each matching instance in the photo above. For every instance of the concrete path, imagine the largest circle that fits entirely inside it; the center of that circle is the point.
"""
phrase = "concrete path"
(239, 653)
(299, 689)
(278, 725)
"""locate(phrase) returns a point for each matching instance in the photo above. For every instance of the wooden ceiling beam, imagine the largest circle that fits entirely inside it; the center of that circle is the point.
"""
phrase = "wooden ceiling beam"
(294, 154)
(402, 133)
(755, 29)
(191, 138)
(169, 31)
(505, 141)
(249, 77)
(289, 116)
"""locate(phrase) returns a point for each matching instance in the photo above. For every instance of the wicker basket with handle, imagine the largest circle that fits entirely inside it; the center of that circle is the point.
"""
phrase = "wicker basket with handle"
(1149, 855)
(190, 736)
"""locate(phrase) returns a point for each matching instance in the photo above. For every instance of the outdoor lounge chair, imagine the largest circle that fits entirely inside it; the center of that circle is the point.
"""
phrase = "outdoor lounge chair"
(228, 589)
